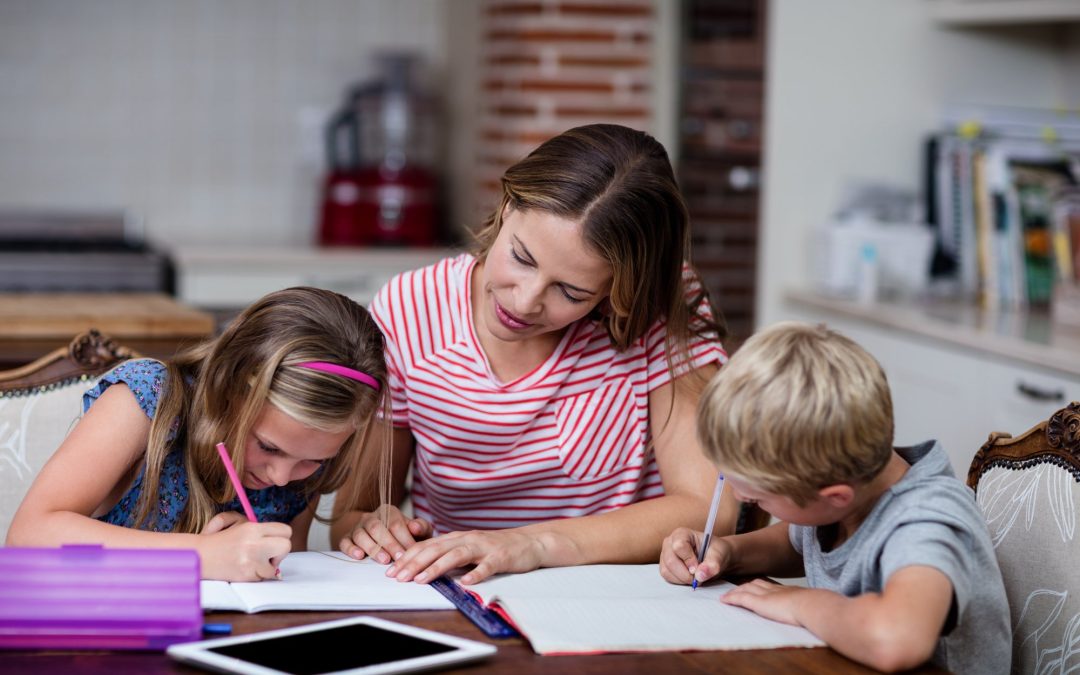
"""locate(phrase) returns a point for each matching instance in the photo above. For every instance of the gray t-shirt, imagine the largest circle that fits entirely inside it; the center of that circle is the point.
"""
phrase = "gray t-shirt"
(928, 518)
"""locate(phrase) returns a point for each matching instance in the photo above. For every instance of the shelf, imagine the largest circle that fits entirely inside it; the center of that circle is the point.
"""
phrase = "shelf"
(1002, 12)
(1026, 337)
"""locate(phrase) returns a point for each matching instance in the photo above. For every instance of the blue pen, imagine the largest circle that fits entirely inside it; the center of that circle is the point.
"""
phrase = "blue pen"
(217, 628)
(710, 522)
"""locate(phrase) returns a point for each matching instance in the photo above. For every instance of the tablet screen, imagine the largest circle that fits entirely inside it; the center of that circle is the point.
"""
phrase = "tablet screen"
(333, 649)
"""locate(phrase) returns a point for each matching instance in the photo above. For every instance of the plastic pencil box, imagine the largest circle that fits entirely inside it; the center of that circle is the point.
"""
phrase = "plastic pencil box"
(90, 597)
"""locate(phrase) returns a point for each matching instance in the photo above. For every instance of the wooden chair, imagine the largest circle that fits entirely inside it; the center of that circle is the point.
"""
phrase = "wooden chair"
(39, 404)
(1028, 488)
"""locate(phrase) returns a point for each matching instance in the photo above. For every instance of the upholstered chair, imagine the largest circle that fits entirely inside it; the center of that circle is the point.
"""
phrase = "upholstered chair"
(1029, 490)
(39, 405)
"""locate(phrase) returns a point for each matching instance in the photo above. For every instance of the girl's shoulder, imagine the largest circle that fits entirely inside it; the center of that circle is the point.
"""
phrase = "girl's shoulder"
(144, 377)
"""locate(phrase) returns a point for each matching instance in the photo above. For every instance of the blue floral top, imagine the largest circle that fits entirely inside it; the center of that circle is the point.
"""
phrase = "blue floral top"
(145, 378)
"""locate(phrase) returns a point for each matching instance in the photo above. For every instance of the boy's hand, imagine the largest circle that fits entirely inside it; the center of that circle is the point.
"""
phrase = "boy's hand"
(768, 599)
(678, 558)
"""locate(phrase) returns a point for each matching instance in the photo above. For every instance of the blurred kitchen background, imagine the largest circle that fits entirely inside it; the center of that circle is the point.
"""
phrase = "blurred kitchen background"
(226, 148)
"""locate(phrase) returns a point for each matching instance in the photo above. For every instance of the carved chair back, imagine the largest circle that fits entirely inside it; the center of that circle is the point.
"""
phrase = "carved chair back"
(1029, 490)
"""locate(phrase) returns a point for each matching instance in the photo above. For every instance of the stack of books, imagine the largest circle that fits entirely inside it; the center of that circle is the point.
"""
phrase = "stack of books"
(1006, 203)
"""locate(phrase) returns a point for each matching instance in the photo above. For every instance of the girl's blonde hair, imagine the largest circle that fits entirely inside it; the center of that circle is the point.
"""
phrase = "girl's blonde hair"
(618, 183)
(798, 408)
(215, 392)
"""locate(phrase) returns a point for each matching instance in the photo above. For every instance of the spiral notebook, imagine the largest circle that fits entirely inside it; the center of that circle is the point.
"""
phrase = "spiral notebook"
(322, 581)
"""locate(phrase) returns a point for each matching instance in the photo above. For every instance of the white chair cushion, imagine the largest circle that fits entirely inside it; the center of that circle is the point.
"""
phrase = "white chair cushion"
(1031, 514)
(32, 427)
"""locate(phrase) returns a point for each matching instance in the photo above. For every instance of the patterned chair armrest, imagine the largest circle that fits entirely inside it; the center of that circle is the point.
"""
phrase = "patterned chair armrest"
(39, 405)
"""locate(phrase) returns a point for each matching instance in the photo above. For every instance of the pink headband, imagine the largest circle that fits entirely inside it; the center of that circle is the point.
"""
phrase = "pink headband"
(342, 371)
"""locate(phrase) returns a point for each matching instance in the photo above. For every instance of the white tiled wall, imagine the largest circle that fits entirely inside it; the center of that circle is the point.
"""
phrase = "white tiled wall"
(203, 116)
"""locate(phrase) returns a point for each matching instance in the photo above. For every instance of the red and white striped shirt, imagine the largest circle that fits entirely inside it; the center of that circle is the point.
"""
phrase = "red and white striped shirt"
(570, 438)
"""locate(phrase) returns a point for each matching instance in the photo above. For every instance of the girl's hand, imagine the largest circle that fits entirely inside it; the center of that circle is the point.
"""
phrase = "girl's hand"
(384, 542)
(491, 551)
(233, 549)
(770, 600)
(678, 557)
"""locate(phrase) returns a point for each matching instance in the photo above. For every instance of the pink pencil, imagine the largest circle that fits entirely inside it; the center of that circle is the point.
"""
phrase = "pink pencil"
(231, 470)
(241, 495)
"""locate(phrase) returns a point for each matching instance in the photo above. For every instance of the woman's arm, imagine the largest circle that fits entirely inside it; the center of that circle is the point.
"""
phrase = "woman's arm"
(632, 534)
(84, 476)
(635, 533)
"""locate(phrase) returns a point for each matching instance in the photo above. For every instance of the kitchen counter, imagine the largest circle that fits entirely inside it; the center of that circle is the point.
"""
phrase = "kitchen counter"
(1027, 336)
(153, 324)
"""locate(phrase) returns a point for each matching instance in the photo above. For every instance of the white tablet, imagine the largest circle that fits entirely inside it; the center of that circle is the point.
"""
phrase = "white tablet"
(358, 645)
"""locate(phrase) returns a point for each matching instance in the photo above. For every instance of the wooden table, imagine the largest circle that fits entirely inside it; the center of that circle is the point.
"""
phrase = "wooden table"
(153, 324)
(514, 655)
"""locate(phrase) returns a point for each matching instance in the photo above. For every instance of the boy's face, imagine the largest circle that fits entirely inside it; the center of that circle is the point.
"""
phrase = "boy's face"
(817, 511)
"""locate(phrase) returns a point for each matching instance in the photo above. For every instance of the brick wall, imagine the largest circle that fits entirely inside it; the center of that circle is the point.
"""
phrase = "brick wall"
(720, 145)
(547, 66)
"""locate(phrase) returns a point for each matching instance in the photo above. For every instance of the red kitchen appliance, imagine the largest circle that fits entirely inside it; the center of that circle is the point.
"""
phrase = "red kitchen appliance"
(381, 187)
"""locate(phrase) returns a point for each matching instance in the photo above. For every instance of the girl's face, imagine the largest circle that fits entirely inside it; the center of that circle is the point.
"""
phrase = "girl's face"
(538, 277)
(280, 449)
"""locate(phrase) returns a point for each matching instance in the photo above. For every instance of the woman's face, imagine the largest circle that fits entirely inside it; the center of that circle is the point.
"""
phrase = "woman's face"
(538, 277)
(280, 449)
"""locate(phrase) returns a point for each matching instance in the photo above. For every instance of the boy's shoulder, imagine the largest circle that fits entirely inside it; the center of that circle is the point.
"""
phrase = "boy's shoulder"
(929, 490)
(930, 476)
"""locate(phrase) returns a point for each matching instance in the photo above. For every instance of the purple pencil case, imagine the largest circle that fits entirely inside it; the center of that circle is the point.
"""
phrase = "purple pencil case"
(91, 597)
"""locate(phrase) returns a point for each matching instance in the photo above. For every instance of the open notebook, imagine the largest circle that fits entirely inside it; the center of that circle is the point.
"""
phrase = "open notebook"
(315, 580)
(628, 608)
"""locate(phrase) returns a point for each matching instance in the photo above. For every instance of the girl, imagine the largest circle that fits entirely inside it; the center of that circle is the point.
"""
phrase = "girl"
(289, 387)
(544, 388)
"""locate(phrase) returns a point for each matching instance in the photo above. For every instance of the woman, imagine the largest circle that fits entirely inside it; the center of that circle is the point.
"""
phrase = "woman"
(544, 389)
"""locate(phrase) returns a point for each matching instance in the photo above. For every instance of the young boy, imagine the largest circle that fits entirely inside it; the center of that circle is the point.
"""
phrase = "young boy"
(897, 556)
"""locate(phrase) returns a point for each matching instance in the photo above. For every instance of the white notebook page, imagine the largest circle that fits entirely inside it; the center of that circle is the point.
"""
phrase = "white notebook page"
(316, 580)
(618, 608)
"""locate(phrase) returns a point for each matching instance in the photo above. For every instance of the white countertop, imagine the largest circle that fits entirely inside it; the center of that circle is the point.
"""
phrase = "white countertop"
(1026, 336)
(227, 278)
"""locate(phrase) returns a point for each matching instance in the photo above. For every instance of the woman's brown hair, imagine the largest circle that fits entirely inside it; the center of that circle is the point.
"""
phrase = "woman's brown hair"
(618, 183)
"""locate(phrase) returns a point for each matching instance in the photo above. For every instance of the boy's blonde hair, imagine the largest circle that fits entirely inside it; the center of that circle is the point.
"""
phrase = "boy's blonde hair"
(797, 408)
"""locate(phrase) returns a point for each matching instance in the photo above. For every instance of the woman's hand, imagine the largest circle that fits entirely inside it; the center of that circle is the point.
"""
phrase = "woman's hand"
(678, 557)
(490, 551)
(384, 535)
(234, 549)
